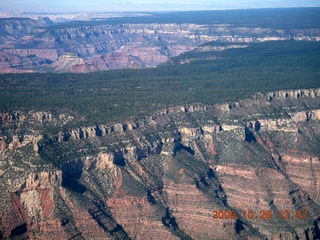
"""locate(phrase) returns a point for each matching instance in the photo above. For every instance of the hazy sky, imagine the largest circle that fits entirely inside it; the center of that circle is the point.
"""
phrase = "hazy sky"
(144, 5)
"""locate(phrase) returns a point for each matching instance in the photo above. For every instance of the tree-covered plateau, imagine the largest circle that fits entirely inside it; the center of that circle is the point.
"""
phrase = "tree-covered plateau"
(207, 77)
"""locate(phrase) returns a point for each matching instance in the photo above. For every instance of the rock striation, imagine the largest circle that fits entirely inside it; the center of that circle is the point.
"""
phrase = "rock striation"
(28, 45)
(164, 176)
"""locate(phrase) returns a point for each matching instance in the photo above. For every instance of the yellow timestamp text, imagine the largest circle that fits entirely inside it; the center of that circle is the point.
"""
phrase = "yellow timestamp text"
(262, 214)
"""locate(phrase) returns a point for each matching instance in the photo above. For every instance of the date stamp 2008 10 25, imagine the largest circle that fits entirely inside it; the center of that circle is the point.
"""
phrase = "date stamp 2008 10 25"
(262, 214)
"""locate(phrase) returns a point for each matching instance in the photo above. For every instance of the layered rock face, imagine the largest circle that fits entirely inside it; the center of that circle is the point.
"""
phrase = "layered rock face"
(37, 45)
(230, 171)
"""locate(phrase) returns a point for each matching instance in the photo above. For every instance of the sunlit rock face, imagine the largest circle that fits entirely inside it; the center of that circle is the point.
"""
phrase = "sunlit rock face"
(28, 45)
(167, 175)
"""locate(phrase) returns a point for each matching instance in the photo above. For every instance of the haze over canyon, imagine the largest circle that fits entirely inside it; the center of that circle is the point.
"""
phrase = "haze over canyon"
(95, 43)
(172, 125)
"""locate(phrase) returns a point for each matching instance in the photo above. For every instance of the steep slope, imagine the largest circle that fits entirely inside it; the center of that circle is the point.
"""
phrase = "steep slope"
(71, 62)
(165, 176)
(140, 42)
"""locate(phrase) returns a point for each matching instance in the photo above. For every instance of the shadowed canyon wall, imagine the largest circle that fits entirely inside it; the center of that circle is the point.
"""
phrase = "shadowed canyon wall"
(28, 45)
(162, 177)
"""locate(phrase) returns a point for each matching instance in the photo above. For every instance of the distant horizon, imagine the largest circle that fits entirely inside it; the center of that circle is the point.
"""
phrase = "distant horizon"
(156, 11)
(129, 6)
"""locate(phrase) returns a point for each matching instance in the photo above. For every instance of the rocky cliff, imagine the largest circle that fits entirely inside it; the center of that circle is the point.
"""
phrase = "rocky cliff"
(38, 45)
(165, 176)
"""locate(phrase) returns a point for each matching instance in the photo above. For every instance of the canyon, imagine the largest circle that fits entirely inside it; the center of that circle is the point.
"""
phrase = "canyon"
(41, 45)
(216, 136)
(162, 176)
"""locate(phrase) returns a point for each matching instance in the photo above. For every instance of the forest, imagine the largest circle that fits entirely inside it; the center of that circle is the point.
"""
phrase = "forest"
(208, 77)
(285, 18)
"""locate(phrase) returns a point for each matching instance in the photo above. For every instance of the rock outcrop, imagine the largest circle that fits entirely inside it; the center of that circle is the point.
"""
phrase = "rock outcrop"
(166, 176)
(28, 45)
